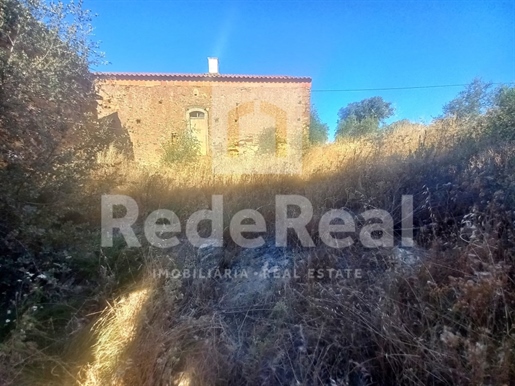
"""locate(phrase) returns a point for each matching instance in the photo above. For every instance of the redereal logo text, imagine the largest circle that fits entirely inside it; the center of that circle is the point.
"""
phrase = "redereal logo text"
(335, 227)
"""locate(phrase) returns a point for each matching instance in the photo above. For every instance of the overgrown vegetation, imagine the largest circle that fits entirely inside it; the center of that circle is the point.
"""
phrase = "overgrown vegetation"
(441, 313)
(183, 148)
(318, 131)
(267, 141)
(363, 118)
(51, 269)
(444, 318)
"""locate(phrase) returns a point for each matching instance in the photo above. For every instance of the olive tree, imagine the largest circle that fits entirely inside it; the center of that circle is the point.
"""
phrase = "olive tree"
(49, 136)
(362, 118)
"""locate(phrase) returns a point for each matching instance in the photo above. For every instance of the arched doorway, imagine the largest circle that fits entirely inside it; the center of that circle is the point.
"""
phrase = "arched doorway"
(198, 124)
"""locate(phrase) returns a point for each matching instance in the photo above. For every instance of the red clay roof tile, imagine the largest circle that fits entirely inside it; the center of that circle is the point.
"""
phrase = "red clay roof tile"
(211, 77)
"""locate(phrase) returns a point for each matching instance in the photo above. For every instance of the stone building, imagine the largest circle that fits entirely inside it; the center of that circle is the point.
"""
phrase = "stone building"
(226, 113)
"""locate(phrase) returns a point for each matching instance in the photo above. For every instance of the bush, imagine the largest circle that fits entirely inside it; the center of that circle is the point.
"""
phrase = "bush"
(267, 141)
(500, 122)
(351, 127)
(318, 131)
(50, 136)
(185, 148)
(363, 118)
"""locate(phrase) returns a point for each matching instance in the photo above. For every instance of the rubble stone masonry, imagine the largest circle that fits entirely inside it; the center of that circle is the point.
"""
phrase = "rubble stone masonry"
(232, 110)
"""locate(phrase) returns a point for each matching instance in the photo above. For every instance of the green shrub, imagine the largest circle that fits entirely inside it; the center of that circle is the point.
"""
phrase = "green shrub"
(184, 148)
(318, 131)
(363, 118)
(267, 141)
(51, 261)
(500, 122)
(352, 127)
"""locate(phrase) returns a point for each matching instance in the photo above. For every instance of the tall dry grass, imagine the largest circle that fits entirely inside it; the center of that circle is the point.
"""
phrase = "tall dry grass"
(447, 320)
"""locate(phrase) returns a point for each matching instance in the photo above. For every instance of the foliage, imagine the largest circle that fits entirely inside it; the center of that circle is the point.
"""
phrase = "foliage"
(470, 103)
(50, 136)
(47, 100)
(184, 148)
(318, 131)
(352, 127)
(364, 117)
(487, 114)
(267, 141)
(500, 121)
(455, 295)
(400, 124)
(374, 107)
(444, 319)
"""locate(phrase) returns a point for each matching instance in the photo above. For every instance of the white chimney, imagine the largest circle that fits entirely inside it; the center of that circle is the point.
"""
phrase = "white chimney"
(213, 65)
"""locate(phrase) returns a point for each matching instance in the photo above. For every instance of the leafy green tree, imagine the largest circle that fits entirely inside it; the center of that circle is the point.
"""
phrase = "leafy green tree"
(49, 137)
(470, 103)
(484, 107)
(318, 131)
(362, 118)
(352, 127)
(505, 102)
(374, 107)
(500, 120)
(47, 97)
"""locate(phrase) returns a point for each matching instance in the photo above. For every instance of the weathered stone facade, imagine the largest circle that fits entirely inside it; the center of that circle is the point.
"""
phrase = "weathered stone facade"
(228, 112)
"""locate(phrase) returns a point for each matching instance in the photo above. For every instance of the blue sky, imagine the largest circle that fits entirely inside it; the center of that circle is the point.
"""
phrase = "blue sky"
(341, 45)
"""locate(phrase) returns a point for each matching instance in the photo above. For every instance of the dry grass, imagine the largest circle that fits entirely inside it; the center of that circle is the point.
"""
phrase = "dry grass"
(447, 320)
(115, 330)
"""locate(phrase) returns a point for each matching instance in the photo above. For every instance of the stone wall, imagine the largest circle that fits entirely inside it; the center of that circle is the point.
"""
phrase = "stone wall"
(152, 108)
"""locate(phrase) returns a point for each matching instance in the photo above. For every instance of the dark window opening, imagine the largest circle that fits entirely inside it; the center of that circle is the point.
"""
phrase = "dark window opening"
(196, 114)
(174, 137)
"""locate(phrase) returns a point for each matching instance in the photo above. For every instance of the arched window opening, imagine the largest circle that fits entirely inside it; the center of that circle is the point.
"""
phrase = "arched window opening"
(197, 114)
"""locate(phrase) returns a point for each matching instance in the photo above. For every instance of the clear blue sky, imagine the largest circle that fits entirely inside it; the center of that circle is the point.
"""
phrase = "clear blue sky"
(339, 44)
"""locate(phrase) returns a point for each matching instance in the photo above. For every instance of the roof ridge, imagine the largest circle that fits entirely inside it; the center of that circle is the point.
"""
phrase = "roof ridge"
(196, 76)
